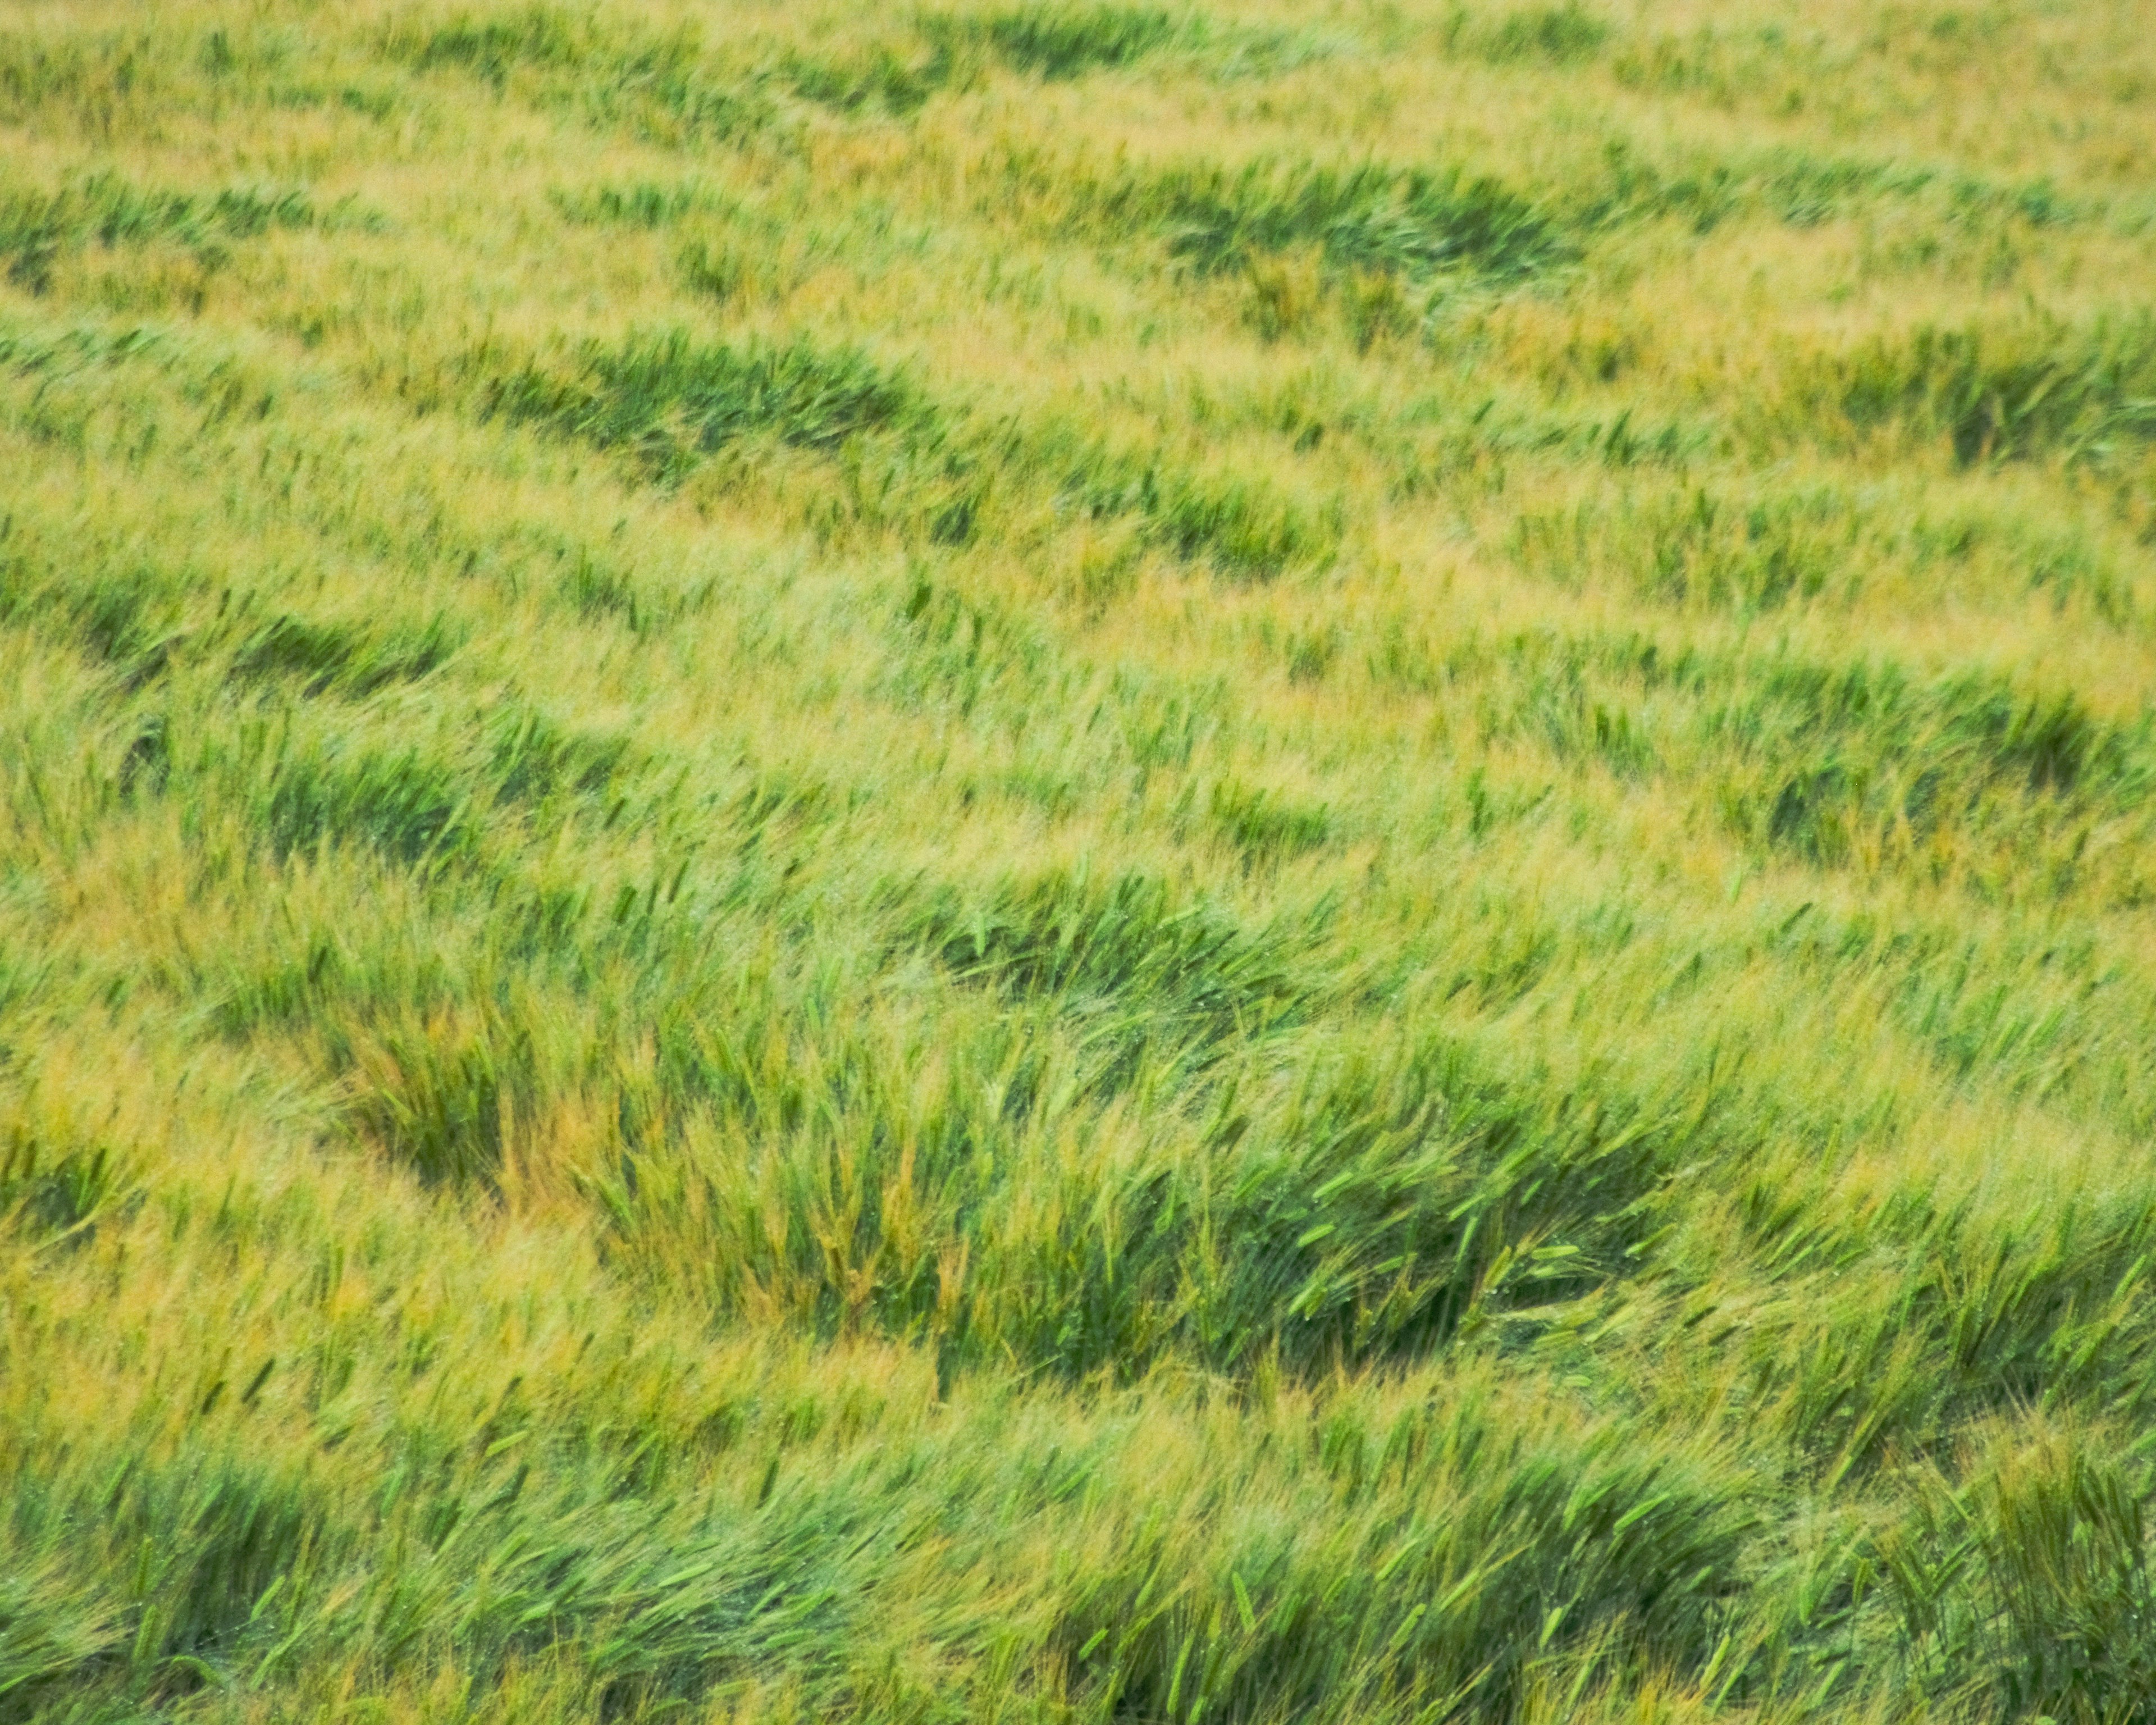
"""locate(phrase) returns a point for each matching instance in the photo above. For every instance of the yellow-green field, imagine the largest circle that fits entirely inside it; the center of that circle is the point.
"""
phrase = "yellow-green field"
(1074, 863)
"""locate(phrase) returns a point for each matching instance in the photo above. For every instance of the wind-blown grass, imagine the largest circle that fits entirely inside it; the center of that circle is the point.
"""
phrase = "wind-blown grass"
(35, 230)
(1371, 217)
(1076, 863)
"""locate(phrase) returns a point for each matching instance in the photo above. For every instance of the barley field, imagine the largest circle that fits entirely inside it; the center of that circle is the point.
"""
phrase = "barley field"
(1075, 863)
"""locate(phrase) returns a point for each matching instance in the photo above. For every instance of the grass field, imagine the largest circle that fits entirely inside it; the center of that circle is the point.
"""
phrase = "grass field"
(1078, 863)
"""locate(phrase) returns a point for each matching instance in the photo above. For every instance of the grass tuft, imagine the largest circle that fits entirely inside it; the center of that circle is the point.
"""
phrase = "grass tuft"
(37, 229)
(1070, 38)
(2001, 396)
(1407, 222)
(671, 400)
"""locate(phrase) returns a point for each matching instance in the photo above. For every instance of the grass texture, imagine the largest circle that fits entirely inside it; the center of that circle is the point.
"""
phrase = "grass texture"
(1077, 863)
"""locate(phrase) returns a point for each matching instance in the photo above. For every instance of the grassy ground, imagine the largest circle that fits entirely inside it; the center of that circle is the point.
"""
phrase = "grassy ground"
(1077, 863)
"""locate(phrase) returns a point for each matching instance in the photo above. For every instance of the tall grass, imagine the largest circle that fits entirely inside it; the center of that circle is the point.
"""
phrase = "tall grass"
(1075, 864)
(1370, 217)
(35, 230)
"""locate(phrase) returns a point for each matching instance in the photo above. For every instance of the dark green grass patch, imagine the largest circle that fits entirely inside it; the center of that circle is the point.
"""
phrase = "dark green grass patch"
(1761, 548)
(950, 51)
(137, 619)
(1066, 40)
(879, 79)
(2005, 394)
(1559, 699)
(417, 804)
(242, 1569)
(2040, 743)
(350, 658)
(1978, 1315)
(1126, 944)
(435, 1095)
(1564, 1542)
(1804, 190)
(1054, 42)
(1828, 762)
(1361, 221)
(533, 758)
(726, 247)
(657, 86)
(408, 805)
(2027, 1587)
(645, 203)
(412, 802)
(128, 614)
(1861, 752)
(307, 983)
(1363, 1216)
(57, 1188)
(2048, 1016)
(129, 619)
(1266, 827)
(484, 1532)
(493, 47)
(36, 229)
(1148, 980)
(1409, 221)
(1355, 1209)
(1245, 527)
(671, 400)
(1549, 35)
(1801, 187)
(62, 1630)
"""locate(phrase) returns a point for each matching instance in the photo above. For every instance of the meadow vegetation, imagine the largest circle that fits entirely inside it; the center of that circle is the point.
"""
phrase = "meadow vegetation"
(1077, 861)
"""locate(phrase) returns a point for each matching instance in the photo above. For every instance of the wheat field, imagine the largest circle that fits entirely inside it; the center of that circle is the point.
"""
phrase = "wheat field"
(1075, 862)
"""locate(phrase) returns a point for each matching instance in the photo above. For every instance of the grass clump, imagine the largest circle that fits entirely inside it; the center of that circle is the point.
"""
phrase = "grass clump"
(2002, 396)
(1556, 35)
(2030, 1583)
(1926, 755)
(1123, 942)
(491, 48)
(410, 807)
(1265, 826)
(881, 77)
(1244, 528)
(1068, 40)
(36, 229)
(1401, 221)
(660, 87)
(1053, 43)
(326, 656)
(672, 401)
(54, 1190)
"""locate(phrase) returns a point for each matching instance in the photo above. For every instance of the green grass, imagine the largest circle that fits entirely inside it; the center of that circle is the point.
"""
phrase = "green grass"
(1078, 863)
(105, 209)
